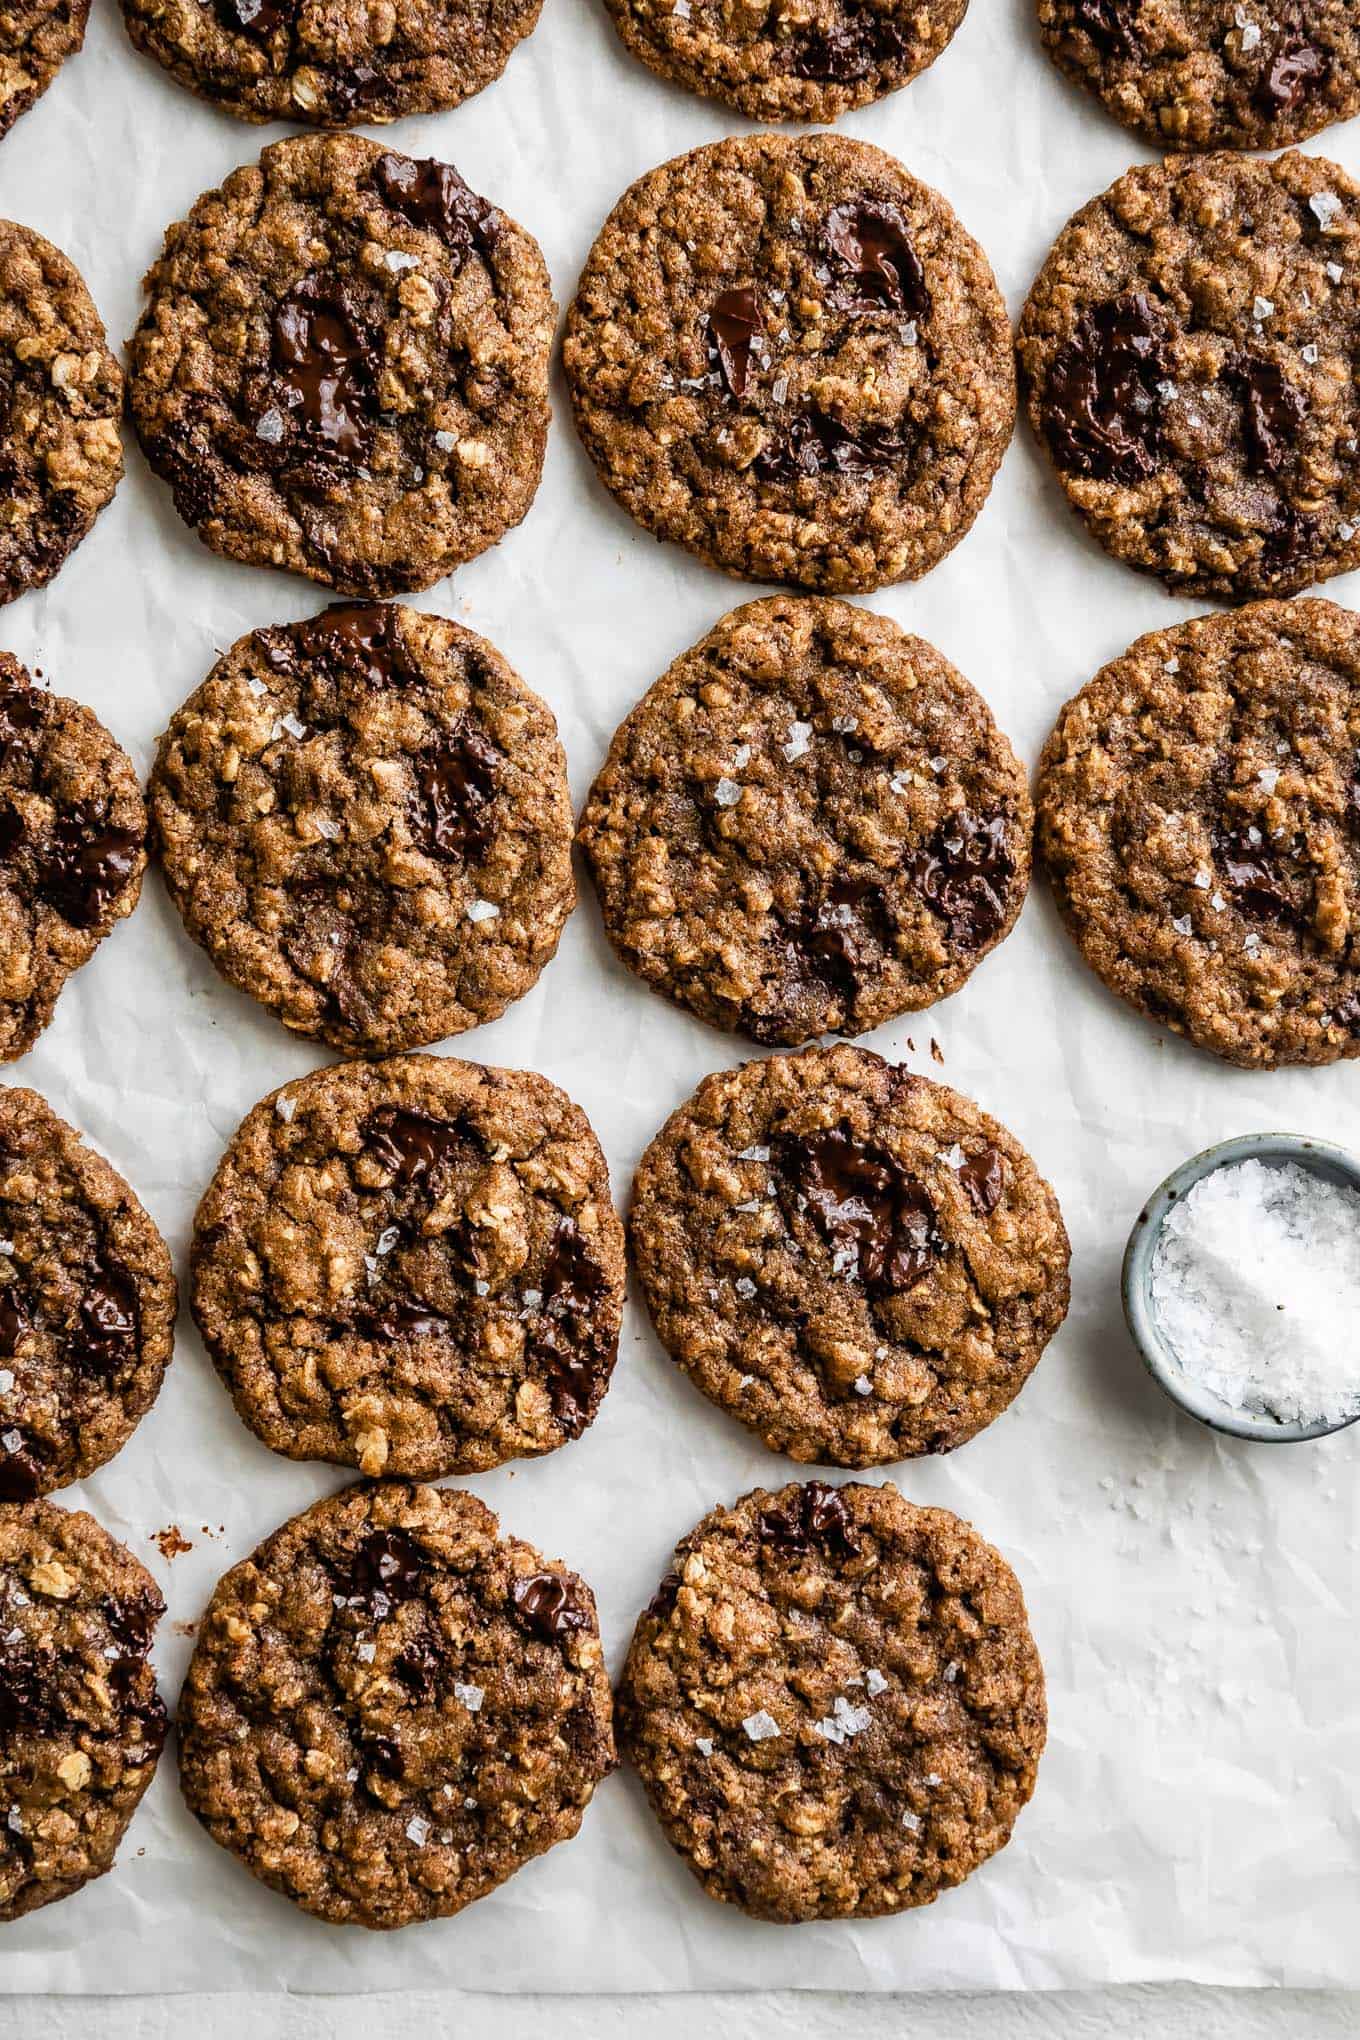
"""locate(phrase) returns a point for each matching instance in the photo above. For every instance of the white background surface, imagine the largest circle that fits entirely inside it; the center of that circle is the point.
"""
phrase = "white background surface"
(1194, 1599)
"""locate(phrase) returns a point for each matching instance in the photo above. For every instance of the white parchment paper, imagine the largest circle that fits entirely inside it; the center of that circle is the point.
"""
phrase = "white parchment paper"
(1194, 1598)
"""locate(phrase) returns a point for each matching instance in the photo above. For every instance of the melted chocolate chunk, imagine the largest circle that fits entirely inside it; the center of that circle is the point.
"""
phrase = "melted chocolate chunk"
(432, 195)
(572, 1277)
(562, 1340)
(961, 874)
(326, 369)
(16, 1321)
(1272, 412)
(357, 636)
(838, 941)
(13, 832)
(877, 1220)
(546, 1606)
(1249, 866)
(21, 1478)
(457, 784)
(816, 1514)
(29, 1698)
(404, 1318)
(418, 1666)
(132, 1619)
(105, 1336)
(858, 43)
(814, 444)
(736, 337)
(983, 1176)
(20, 714)
(257, 18)
(1110, 24)
(1297, 70)
(870, 238)
(86, 864)
(382, 1755)
(388, 1567)
(1102, 411)
(411, 1144)
(664, 1599)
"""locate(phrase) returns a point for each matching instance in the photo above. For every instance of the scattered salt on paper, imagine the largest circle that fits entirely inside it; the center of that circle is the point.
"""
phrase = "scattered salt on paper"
(1255, 1286)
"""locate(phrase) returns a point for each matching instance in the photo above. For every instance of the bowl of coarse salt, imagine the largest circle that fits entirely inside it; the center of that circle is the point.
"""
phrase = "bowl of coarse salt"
(1241, 1287)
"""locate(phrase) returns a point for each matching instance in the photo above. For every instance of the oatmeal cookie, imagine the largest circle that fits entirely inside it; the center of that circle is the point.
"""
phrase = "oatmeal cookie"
(343, 366)
(365, 820)
(834, 1702)
(859, 1264)
(809, 824)
(1199, 817)
(81, 1722)
(87, 1303)
(72, 848)
(1188, 351)
(412, 1267)
(61, 393)
(391, 1707)
(36, 38)
(787, 355)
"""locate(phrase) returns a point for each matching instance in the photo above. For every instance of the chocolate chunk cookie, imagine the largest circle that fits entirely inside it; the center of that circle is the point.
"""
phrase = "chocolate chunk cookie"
(87, 1303)
(72, 848)
(364, 819)
(1212, 74)
(391, 1707)
(1199, 815)
(1189, 352)
(343, 367)
(859, 1264)
(332, 67)
(61, 392)
(834, 1702)
(412, 1267)
(809, 63)
(810, 823)
(36, 38)
(81, 1722)
(787, 355)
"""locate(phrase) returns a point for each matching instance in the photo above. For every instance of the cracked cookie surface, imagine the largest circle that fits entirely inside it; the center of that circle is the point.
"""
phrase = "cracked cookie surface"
(364, 819)
(391, 1707)
(342, 369)
(786, 355)
(1199, 818)
(859, 1264)
(87, 1303)
(61, 396)
(834, 1702)
(809, 824)
(1211, 74)
(412, 1267)
(81, 1722)
(331, 67)
(1188, 351)
(72, 848)
(36, 38)
(805, 63)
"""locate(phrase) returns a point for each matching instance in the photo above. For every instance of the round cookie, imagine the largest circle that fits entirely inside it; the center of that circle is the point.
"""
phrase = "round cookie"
(87, 1303)
(391, 1707)
(72, 848)
(36, 38)
(1188, 355)
(1199, 817)
(333, 67)
(787, 355)
(343, 366)
(834, 1702)
(1211, 74)
(365, 820)
(412, 1267)
(61, 394)
(808, 64)
(857, 1263)
(809, 824)
(81, 1722)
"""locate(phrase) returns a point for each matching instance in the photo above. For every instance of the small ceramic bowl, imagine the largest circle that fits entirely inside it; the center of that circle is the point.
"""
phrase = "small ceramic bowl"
(1272, 1149)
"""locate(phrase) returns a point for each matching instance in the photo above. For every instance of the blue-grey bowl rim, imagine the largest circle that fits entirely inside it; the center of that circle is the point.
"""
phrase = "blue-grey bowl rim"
(1336, 1163)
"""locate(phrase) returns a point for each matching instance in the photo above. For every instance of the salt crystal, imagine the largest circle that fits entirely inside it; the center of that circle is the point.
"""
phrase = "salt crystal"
(397, 259)
(874, 1681)
(482, 910)
(1325, 207)
(471, 1697)
(1251, 37)
(1268, 778)
(1335, 271)
(1172, 666)
(290, 723)
(257, 687)
(14, 1821)
(269, 427)
(1310, 354)
(6, 1380)
(482, 1288)
(760, 1726)
(1202, 880)
(1255, 1287)
(365, 1652)
(900, 782)
(12, 1440)
(954, 1157)
(387, 1239)
(741, 756)
(1262, 307)
(445, 441)
(329, 828)
(932, 1777)
(1345, 532)
(911, 1822)
(704, 1745)
(844, 725)
(1218, 903)
(417, 1830)
(744, 1286)
(951, 1671)
(863, 1385)
(727, 793)
(754, 1154)
(285, 1106)
(799, 741)
(937, 765)
(1182, 924)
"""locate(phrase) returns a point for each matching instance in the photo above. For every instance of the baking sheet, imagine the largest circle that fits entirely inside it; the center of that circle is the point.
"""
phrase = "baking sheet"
(1194, 1598)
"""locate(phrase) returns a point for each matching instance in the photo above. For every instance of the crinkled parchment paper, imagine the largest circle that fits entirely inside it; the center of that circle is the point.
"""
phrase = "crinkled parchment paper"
(1194, 1598)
